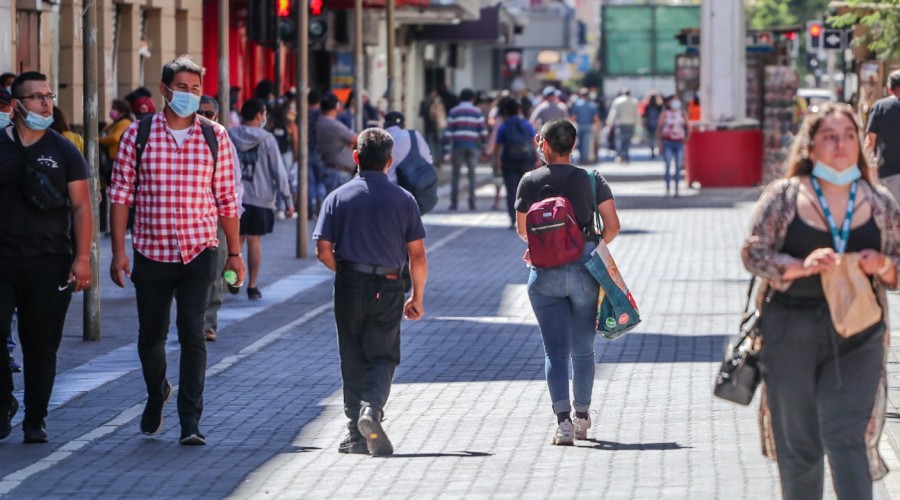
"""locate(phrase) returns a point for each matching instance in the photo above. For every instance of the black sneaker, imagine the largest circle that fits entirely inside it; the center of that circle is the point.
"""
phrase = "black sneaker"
(370, 427)
(6, 422)
(192, 437)
(253, 293)
(152, 419)
(35, 432)
(354, 444)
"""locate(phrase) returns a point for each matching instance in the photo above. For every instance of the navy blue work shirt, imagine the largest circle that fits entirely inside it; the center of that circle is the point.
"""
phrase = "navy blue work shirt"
(369, 220)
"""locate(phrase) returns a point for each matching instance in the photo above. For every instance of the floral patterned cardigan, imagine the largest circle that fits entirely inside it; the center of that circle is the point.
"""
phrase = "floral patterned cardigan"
(762, 256)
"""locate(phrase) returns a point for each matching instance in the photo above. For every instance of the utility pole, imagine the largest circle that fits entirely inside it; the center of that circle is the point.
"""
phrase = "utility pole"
(276, 47)
(358, 72)
(224, 78)
(91, 309)
(302, 68)
(391, 50)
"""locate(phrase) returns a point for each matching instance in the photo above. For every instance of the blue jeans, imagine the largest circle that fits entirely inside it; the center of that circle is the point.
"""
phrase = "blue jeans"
(460, 156)
(564, 300)
(623, 135)
(673, 150)
(585, 133)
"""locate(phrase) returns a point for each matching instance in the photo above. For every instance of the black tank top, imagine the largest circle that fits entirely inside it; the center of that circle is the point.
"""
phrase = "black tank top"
(801, 239)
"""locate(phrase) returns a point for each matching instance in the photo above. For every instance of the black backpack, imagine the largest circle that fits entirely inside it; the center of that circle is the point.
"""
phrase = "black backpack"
(249, 160)
(419, 177)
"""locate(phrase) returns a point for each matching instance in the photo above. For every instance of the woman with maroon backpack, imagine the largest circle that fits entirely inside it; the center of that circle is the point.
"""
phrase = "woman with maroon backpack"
(564, 297)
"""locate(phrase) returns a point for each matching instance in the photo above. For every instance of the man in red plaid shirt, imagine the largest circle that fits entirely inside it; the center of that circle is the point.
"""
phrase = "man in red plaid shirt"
(179, 193)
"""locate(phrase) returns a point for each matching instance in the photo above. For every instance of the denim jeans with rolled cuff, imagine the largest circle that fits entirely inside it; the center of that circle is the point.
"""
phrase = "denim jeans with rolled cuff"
(564, 300)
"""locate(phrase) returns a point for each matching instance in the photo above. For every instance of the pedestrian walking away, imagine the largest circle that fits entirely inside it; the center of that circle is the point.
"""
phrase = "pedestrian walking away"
(623, 117)
(464, 139)
(549, 109)
(209, 109)
(673, 133)
(564, 298)
(368, 291)
(883, 135)
(336, 144)
(824, 392)
(174, 237)
(586, 117)
(652, 111)
(265, 182)
(516, 153)
(44, 248)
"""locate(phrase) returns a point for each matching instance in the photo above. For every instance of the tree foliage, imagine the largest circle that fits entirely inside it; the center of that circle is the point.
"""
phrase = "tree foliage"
(762, 14)
(882, 18)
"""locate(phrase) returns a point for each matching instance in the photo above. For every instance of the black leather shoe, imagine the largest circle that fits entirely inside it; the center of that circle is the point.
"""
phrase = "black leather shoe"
(354, 444)
(35, 432)
(152, 419)
(370, 427)
(6, 421)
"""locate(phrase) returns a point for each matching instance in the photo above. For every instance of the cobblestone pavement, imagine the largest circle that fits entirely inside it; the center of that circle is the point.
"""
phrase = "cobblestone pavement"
(469, 414)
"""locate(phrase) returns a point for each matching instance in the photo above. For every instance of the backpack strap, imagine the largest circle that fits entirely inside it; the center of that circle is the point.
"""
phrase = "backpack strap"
(413, 144)
(143, 134)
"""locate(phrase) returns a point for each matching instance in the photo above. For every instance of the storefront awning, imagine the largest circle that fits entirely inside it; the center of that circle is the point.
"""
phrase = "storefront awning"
(375, 4)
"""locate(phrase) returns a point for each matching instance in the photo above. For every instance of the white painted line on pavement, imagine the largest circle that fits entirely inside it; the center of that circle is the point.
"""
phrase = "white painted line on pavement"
(14, 479)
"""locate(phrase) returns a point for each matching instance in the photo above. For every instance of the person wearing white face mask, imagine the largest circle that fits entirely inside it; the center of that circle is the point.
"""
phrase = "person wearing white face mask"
(44, 247)
(672, 131)
(6, 108)
(187, 185)
(824, 392)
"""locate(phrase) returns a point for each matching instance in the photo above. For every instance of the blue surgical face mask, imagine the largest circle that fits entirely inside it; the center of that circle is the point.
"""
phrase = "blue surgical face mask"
(35, 121)
(676, 105)
(540, 152)
(184, 104)
(4, 120)
(836, 177)
(264, 122)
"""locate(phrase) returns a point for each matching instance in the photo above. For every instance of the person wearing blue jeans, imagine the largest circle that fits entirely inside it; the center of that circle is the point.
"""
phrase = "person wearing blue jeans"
(564, 298)
(673, 155)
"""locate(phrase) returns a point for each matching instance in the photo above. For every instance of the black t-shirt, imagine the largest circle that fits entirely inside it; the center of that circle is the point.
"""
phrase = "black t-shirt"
(579, 192)
(24, 230)
(884, 120)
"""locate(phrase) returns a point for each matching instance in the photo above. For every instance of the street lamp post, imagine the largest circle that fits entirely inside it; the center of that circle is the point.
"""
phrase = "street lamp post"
(302, 69)
(91, 308)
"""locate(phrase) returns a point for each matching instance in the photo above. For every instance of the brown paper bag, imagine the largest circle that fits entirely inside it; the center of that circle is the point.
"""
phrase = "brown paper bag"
(850, 296)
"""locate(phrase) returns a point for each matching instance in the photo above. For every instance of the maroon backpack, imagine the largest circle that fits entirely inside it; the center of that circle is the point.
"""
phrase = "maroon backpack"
(554, 236)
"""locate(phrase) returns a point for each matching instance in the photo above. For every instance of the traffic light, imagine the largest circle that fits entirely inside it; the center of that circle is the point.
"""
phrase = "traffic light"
(283, 8)
(316, 7)
(813, 35)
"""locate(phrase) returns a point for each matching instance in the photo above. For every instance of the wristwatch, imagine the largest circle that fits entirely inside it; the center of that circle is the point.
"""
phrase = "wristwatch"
(239, 254)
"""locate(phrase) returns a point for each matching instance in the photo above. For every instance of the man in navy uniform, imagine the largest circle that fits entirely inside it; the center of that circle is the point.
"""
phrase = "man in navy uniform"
(365, 230)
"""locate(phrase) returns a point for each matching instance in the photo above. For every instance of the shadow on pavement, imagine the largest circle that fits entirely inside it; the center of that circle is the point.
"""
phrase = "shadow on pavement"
(439, 455)
(613, 446)
(662, 348)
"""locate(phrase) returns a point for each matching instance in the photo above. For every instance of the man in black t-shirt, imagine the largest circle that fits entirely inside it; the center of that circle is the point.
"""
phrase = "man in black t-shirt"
(883, 135)
(40, 263)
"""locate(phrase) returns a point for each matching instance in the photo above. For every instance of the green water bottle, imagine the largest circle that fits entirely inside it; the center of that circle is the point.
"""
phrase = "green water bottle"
(231, 278)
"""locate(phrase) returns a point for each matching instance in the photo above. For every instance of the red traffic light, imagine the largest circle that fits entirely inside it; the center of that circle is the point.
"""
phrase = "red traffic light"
(815, 29)
(315, 7)
(790, 35)
(283, 8)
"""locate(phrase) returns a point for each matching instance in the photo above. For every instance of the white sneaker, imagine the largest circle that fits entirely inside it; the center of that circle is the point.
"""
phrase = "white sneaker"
(581, 426)
(280, 214)
(565, 434)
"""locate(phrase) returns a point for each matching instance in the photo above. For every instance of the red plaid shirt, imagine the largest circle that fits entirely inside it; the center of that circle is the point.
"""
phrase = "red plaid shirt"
(178, 202)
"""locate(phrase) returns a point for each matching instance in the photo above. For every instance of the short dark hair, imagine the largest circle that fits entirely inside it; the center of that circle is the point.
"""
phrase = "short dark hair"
(28, 76)
(181, 63)
(560, 135)
(121, 106)
(251, 108)
(313, 97)
(894, 79)
(5, 77)
(208, 99)
(467, 95)
(510, 106)
(374, 147)
(329, 102)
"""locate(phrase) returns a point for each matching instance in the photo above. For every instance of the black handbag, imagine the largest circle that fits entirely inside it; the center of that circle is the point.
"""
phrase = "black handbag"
(739, 373)
(37, 187)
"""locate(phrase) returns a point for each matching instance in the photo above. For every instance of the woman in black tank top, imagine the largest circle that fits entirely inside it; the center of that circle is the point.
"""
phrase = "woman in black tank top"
(824, 394)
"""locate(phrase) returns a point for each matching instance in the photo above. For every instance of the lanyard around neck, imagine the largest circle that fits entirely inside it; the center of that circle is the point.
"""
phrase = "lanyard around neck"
(840, 239)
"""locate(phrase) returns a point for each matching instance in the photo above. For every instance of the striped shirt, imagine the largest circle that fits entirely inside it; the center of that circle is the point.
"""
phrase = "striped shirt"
(465, 128)
(178, 200)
